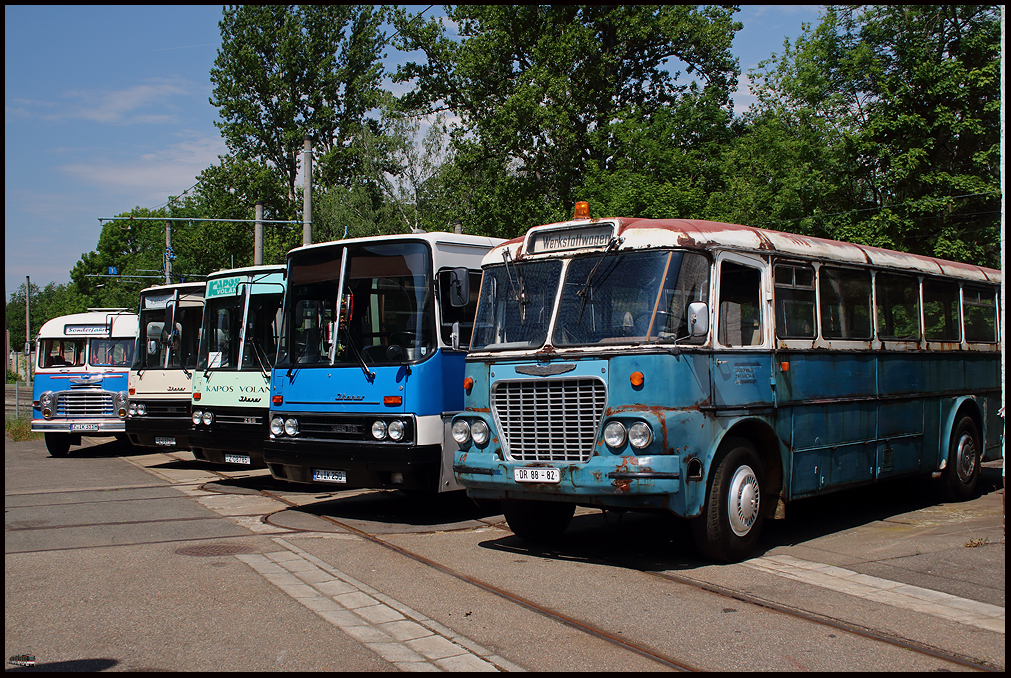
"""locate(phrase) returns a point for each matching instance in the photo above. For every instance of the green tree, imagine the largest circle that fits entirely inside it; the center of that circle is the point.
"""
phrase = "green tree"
(539, 88)
(46, 303)
(906, 102)
(287, 71)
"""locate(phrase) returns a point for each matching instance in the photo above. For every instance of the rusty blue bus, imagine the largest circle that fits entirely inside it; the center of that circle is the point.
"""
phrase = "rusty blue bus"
(719, 372)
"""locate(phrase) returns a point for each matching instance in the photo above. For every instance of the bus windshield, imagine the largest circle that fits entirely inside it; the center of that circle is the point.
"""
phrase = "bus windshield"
(111, 352)
(633, 297)
(179, 347)
(386, 311)
(515, 305)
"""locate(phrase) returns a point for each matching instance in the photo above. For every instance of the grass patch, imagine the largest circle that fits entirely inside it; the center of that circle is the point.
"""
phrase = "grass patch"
(976, 542)
(19, 430)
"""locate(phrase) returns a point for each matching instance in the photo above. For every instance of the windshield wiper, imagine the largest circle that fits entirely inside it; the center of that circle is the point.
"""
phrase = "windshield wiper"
(521, 295)
(256, 345)
(369, 374)
(584, 293)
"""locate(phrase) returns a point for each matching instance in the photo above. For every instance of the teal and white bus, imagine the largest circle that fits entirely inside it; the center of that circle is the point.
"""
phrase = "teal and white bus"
(719, 372)
(231, 382)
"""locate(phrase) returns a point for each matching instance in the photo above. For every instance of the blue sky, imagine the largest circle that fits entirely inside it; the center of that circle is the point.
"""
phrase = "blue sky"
(106, 109)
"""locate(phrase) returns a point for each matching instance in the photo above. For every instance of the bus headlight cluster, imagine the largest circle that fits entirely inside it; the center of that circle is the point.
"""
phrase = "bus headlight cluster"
(393, 430)
(121, 400)
(280, 426)
(137, 409)
(464, 431)
(639, 435)
(205, 417)
(46, 402)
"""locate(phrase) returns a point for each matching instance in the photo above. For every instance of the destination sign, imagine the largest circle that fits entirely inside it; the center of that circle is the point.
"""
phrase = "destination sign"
(223, 287)
(571, 239)
(71, 330)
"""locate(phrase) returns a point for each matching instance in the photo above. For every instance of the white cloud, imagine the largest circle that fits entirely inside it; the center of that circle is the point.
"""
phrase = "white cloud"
(129, 106)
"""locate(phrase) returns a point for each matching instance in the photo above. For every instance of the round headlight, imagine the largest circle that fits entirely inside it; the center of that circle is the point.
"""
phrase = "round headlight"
(379, 430)
(291, 427)
(614, 434)
(208, 418)
(196, 417)
(141, 409)
(396, 430)
(479, 431)
(46, 399)
(132, 410)
(640, 435)
(276, 426)
(461, 431)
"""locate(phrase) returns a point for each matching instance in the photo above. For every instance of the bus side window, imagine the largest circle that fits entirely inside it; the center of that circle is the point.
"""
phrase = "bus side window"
(980, 314)
(795, 302)
(845, 303)
(740, 322)
(898, 307)
(940, 311)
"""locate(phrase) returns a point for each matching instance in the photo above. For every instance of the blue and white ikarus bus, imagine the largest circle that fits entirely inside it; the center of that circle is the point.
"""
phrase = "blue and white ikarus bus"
(366, 380)
(81, 376)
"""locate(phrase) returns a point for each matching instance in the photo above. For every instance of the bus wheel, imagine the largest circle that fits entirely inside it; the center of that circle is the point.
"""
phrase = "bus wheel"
(731, 519)
(537, 521)
(58, 444)
(963, 461)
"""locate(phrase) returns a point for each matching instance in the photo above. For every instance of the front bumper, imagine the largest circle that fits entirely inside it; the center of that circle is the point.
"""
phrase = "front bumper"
(365, 465)
(146, 432)
(212, 444)
(647, 482)
(88, 427)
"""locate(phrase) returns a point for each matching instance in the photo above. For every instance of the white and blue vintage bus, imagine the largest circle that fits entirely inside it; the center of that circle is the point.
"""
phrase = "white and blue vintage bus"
(719, 372)
(231, 383)
(83, 361)
(371, 360)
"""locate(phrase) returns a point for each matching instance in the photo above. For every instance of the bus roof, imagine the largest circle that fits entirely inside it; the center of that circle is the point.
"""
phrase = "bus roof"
(432, 238)
(91, 324)
(709, 235)
(247, 270)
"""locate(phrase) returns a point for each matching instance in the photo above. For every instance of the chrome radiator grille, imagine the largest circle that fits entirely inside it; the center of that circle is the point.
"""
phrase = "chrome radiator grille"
(552, 420)
(77, 404)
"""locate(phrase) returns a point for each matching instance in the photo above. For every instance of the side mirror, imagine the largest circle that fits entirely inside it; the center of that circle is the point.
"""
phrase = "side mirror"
(698, 319)
(455, 336)
(459, 287)
(152, 347)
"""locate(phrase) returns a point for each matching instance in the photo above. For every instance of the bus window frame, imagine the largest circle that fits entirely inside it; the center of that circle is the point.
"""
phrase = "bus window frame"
(890, 343)
(764, 300)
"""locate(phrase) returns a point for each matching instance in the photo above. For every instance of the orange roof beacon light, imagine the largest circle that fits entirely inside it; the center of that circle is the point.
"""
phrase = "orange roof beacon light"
(582, 210)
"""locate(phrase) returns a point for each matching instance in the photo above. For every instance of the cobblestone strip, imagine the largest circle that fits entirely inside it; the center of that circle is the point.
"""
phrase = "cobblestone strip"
(936, 603)
(404, 637)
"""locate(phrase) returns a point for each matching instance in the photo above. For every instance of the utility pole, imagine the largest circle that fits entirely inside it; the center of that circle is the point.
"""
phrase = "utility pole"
(168, 252)
(307, 192)
(258, 236)
(28, 327)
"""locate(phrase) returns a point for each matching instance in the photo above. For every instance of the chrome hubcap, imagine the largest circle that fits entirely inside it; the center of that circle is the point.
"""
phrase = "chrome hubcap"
(745, 496)
(965, 459)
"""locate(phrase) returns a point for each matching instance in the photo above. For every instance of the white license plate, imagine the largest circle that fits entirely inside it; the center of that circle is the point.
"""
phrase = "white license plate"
(327, 476)
(237, 459)
(168, 442)
(536, 475)
(84, 427)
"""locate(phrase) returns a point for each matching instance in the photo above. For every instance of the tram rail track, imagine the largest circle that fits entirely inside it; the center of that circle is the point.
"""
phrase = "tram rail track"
(837, 625)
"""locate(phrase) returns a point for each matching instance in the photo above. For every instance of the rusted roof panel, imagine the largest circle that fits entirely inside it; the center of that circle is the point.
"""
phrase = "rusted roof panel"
(705, 235)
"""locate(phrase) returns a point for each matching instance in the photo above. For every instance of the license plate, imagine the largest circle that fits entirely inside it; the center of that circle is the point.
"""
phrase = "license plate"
(536, 475)
(168, 442)
(237, 459)
(84, 427)
(326, 476)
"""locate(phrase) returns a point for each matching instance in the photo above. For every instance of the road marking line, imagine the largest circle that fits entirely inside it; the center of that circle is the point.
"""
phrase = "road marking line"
(404, 637)
(936, 603)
